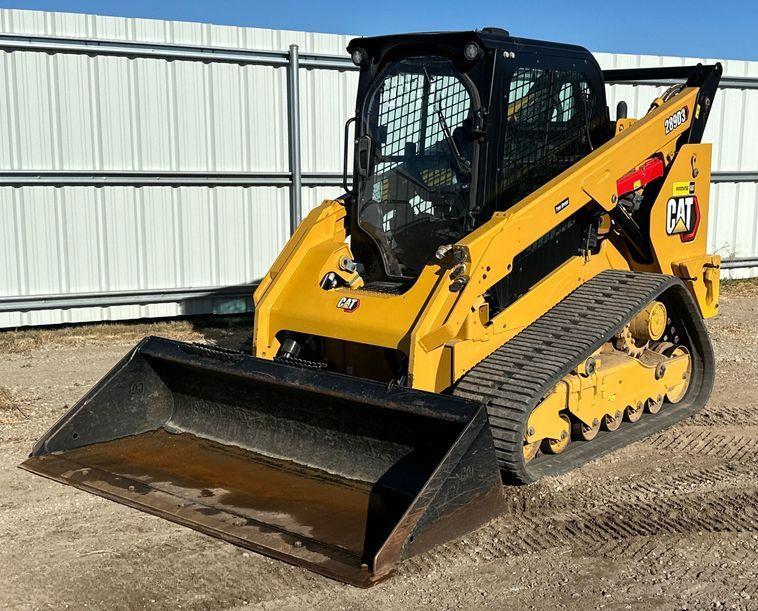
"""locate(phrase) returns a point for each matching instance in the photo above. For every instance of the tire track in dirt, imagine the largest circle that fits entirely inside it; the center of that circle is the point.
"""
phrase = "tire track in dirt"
(726, 415)
(709, 442)
(732, 566)
(720, 499)
(540, 499)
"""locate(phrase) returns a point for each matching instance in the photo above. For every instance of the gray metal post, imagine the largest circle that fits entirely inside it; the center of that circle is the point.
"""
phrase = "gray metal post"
(293, 112)
(739, 263)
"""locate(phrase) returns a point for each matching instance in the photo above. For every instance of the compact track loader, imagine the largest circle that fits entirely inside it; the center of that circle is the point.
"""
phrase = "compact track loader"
(513, 285)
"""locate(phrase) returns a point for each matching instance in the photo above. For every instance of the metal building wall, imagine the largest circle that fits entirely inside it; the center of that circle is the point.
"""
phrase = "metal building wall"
(186, 133)
(156, 250)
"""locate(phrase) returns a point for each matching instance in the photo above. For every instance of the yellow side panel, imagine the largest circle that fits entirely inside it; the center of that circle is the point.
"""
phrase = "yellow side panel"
(523, 312)
(290, 297)
(679, 226)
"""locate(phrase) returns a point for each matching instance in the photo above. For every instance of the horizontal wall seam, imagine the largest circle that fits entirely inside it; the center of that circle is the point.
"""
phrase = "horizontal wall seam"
(29, 303)
(22, 178)
(49, 44)
(739, 262)
(174, 179)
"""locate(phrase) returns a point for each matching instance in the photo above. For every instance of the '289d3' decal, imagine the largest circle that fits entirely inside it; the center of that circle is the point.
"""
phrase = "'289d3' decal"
(683, 217)
(675, 120)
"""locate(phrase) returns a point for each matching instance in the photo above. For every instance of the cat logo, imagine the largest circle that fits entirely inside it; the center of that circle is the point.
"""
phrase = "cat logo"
(348, 304)
(683, 217)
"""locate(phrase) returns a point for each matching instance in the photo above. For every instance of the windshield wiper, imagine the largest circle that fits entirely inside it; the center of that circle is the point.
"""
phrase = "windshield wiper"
(462, 165)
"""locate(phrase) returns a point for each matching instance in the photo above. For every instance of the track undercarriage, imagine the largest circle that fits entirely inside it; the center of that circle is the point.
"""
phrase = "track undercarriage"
(633, 375)
(618, 351)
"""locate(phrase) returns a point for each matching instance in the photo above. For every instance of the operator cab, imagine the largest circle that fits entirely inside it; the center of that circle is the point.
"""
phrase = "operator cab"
(451, 127)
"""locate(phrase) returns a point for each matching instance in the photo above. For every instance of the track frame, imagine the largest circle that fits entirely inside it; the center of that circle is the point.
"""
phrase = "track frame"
(516, 377)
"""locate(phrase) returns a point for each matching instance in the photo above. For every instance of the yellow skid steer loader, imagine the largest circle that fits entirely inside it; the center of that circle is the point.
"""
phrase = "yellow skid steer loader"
(513, 285)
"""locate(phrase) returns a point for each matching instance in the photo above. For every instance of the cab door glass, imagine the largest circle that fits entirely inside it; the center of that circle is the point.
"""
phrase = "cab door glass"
(417, 193)
(546, 129)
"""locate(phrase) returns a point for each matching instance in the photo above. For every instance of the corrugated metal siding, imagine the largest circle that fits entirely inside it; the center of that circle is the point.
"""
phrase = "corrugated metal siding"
(80, 112)
(79, 239)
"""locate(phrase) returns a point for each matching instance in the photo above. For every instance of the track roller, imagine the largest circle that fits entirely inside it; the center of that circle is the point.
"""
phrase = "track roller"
(654, 405)
(531, 450)
(586, 432)
(556, 446)
(612, 423)
(677, 393)
(634, 412)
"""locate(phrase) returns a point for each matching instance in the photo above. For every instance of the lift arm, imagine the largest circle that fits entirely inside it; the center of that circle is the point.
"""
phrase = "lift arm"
(492, 247)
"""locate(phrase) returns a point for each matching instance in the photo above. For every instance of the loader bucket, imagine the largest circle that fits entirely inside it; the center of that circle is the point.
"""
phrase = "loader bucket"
(343, 476)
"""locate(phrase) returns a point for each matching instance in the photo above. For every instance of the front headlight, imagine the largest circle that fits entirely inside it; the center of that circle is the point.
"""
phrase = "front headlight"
(471, 51)
(359, 56)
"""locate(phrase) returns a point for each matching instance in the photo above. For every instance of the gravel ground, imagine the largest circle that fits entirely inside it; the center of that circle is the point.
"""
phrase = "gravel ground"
(670, 522)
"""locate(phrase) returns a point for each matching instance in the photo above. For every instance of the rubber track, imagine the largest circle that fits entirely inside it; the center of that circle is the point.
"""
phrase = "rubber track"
(516, 376)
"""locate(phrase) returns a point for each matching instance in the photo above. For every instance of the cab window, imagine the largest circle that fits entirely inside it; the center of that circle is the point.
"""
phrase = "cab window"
(546, 130)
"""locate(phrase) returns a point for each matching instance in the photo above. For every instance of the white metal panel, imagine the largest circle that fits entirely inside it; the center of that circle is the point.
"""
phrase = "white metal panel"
(733, 123)
(327, 99)
(82, 112)
(74, 112)
(80, 239)
(733, 228)
(77, 112)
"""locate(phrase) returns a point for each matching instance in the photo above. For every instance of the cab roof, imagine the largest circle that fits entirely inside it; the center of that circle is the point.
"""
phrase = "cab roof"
(488, 38)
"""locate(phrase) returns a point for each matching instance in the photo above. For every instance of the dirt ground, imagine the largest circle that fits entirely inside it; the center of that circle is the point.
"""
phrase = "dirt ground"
(671, 522)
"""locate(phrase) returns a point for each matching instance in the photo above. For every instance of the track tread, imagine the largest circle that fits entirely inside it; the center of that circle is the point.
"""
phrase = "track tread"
(516, 376)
